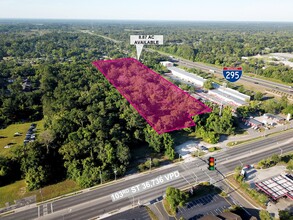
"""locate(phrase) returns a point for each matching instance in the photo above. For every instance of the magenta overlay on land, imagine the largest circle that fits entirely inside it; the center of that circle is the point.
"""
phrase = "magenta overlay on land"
(162, 104)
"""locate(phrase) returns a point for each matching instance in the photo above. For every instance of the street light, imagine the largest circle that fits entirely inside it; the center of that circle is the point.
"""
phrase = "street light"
(281, 151)
(115, 172)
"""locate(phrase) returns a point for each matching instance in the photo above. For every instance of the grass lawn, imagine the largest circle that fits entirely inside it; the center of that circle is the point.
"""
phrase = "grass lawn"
(17, 190)
(197, 153)
(234, 143)
(7, 135)
(236, 186)
(168, 208)
(151, 214)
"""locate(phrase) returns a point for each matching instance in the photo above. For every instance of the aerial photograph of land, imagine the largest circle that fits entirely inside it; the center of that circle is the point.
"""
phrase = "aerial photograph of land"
(157, 110)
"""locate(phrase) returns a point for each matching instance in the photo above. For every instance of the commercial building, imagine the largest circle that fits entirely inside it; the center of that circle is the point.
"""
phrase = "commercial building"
(252, 122)
(189, 77)
(275, 118)
(234, 93)
(226, 97)
(277, 187)
(166, 63)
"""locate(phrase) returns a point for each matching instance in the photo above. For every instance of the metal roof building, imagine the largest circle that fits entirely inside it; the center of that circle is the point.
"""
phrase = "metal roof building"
(187, 76)
(166, 63)
(234, 93)
(278, 186)
(227, 97)
(253, 122)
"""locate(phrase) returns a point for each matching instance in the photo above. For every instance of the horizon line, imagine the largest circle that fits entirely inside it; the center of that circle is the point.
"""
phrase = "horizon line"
(148, 20)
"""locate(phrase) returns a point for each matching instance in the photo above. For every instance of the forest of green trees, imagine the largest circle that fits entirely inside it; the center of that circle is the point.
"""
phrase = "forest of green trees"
(90, 129)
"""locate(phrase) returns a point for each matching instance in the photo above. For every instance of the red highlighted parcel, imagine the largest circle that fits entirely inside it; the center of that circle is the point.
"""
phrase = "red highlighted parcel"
(162, 104)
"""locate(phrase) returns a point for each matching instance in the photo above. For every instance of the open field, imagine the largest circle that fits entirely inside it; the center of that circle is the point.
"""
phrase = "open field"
(7, 135)
(18, 190)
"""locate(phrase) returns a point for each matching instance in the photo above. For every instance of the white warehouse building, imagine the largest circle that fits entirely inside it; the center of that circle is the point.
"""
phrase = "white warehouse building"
(234, 93)
(166, 63)
(190, 77)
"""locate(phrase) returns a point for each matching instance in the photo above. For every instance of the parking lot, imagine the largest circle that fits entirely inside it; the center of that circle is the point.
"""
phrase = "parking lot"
(211, 204)
(138, 213)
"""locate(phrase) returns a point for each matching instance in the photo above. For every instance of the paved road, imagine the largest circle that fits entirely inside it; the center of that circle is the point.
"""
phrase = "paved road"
(98, 201)
(262, 82)
(205, 67)
(138, 213)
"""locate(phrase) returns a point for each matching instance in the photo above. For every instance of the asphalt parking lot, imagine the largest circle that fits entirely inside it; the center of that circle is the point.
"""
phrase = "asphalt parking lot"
(138, 213)
(211, 204)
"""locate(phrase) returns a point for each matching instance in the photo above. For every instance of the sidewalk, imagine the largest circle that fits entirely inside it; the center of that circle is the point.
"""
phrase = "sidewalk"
(223, 143)
(190, 146)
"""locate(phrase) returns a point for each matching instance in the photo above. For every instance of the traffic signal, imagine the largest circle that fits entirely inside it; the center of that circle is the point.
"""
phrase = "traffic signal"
(212, 163)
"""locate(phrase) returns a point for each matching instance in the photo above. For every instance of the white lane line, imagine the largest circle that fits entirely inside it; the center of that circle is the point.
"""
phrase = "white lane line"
(45, 211)
(186, 180)
(183, 209)
(188, 170)
(209, 196)
(180, 209)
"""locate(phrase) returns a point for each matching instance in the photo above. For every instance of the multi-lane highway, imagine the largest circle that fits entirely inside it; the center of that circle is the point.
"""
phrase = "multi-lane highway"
(211, 69)
(97, 202)
(264, 83)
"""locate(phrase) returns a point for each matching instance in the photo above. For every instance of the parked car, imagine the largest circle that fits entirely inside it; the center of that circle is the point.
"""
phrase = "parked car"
(248, 166)
(203, 148)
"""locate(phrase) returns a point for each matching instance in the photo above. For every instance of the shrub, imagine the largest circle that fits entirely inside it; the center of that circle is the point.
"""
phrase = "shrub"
(141, 167)
(156, 162)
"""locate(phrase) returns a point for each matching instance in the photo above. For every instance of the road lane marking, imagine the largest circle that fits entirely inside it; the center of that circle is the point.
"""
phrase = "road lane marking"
(186, 180)
(185, 167)
(145, 186)
(45, 212)
(201, 200)
(159, 210)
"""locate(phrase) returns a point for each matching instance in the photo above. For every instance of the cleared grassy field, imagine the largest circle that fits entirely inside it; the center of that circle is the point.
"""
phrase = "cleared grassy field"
(7, 135)
(18, 190)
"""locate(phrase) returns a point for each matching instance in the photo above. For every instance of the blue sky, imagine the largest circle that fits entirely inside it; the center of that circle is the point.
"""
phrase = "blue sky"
(199, 10)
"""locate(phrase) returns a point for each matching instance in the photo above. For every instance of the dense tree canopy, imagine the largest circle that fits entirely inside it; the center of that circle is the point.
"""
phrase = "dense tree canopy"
(90, 130)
